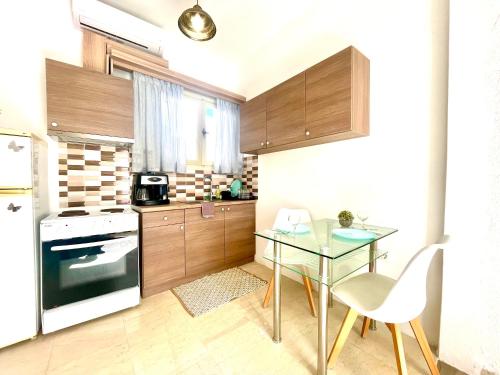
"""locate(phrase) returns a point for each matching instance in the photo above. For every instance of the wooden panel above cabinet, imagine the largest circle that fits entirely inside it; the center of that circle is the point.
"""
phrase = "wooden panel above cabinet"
(88, 102)
(327, 102)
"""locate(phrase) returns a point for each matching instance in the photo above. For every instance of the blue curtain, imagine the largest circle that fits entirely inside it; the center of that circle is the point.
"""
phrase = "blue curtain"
(228, 159)
(158, 131)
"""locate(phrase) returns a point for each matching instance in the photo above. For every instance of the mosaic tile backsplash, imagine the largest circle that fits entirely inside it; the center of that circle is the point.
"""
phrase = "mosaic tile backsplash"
(99, 175)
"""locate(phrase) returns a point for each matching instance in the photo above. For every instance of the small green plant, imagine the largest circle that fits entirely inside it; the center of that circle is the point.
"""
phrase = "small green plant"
(346, 215)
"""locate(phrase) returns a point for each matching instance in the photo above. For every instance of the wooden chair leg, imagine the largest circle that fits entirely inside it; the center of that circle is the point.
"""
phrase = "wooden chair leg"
(308, 288)
(366, 326)
(347, 324)
(269, 293)
(397, 341)
(424, 345)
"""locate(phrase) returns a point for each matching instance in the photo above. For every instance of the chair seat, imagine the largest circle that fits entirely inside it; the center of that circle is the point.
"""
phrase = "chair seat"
(364, 293)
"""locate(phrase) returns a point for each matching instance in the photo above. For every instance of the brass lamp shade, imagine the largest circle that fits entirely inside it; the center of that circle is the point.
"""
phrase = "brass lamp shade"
(197, 24)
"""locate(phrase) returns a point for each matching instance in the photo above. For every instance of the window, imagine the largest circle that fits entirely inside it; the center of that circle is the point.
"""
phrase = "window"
(199, 125)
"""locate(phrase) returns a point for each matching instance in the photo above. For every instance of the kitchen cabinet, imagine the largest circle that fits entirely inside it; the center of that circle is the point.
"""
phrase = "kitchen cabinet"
(204, 241)
(239, 228)
(162, 255)
(285, 112)
(337, 95)
(327, 102)
(253, 124)
(88, 102)
(179, 245)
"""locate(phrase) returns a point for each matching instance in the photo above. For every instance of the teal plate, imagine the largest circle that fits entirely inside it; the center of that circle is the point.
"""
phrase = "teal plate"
(354, 234)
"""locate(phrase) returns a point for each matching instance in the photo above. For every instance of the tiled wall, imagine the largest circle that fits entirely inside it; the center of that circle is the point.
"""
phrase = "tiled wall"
(93, 175)
(97, 175)
(195, 184)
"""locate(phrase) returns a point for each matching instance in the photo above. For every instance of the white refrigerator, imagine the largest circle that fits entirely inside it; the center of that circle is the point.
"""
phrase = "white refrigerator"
(18, 312)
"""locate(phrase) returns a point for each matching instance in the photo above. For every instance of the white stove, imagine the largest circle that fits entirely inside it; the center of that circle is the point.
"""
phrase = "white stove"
(89, 265)
(89, 221)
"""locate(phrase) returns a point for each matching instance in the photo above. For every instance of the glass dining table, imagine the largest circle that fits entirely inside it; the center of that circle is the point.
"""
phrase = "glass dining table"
(326, 252)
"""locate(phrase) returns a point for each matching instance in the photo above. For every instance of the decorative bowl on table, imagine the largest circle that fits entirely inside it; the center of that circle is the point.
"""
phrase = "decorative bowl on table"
(345, 218)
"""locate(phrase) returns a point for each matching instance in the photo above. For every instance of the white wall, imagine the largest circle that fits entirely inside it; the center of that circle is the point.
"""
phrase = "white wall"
(397, 174)
(30, 31)
(470, 324)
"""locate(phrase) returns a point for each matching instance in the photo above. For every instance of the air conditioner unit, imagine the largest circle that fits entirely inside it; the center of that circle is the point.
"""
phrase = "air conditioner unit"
(118, 25)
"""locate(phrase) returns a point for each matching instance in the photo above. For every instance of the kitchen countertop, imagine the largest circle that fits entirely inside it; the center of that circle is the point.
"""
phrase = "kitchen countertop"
(183, 205)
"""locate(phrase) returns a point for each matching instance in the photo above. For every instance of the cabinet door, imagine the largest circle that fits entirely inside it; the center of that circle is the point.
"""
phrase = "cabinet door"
(239, 232)
(204, 241)
(163, 257)
(328, 96)
(84, 101)
(286, 112)
(253, 124)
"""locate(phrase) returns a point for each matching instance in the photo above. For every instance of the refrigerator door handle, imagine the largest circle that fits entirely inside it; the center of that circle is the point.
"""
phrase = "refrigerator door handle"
(13, 208)
(12, 146)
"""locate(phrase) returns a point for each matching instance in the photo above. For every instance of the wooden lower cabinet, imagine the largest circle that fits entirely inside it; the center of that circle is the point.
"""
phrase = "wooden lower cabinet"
(204, 241)
(178, 246)
(239, 238)
(163, 257)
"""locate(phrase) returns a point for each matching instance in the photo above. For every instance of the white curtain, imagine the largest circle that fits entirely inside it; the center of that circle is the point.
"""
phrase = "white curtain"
(227, 158)
(158, 131)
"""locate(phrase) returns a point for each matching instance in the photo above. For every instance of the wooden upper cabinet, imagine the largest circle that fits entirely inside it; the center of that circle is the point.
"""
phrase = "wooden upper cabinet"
(239, 232)
(253, 124)
(89, 102)
(286, 112)
(337, 95)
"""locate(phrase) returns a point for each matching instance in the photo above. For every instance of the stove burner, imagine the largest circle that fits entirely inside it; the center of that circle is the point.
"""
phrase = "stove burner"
(73, 213)
(113, 210)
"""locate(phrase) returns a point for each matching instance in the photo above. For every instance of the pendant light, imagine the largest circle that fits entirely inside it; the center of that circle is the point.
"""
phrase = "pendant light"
(196, 24)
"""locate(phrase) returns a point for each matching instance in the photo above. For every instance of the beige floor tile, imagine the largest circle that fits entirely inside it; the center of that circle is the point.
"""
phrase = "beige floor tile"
(160, 337)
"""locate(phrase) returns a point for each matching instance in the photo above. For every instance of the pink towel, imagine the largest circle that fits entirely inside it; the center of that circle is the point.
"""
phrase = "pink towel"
(207, 210)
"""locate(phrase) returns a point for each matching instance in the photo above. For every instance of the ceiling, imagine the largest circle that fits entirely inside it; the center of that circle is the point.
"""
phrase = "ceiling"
(253, 37)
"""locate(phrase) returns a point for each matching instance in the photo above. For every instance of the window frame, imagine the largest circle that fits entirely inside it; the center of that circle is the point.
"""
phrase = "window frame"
(202, 144)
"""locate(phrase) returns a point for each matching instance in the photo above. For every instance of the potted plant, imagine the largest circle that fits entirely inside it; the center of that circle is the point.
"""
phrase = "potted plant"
(345, 218)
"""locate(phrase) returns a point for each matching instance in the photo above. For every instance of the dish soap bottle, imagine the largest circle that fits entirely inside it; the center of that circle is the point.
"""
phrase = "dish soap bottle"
(217, 193)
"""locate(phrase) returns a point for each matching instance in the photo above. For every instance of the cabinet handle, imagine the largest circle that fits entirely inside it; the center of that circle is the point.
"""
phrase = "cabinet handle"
(165, 218)
(307, 133)
(262, 143)
(267, 143)
(54, 124)
(182, 227)
(222, 209)
(229, 208)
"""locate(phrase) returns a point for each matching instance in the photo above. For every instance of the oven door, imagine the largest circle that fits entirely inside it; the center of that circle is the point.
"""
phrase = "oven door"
(80, 268)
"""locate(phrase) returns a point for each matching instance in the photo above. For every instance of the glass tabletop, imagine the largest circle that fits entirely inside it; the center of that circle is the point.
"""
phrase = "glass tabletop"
(326, 237)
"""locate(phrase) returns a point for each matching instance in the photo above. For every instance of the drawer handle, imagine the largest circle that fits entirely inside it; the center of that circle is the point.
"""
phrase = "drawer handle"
(165, 218)
(54, 124)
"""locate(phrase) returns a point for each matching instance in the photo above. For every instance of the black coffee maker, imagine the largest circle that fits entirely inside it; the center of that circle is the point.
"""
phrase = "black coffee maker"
(150, 189)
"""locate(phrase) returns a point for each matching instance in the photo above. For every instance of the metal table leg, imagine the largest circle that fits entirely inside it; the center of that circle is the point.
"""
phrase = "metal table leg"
(372, 267)
(277, 294)
(323, 315)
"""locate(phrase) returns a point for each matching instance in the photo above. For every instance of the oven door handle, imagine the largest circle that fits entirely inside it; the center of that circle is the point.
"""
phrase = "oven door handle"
(91, 244)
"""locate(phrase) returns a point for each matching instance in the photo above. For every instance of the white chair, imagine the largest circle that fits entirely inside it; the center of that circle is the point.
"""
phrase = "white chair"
(291, 256)
(390, 301)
